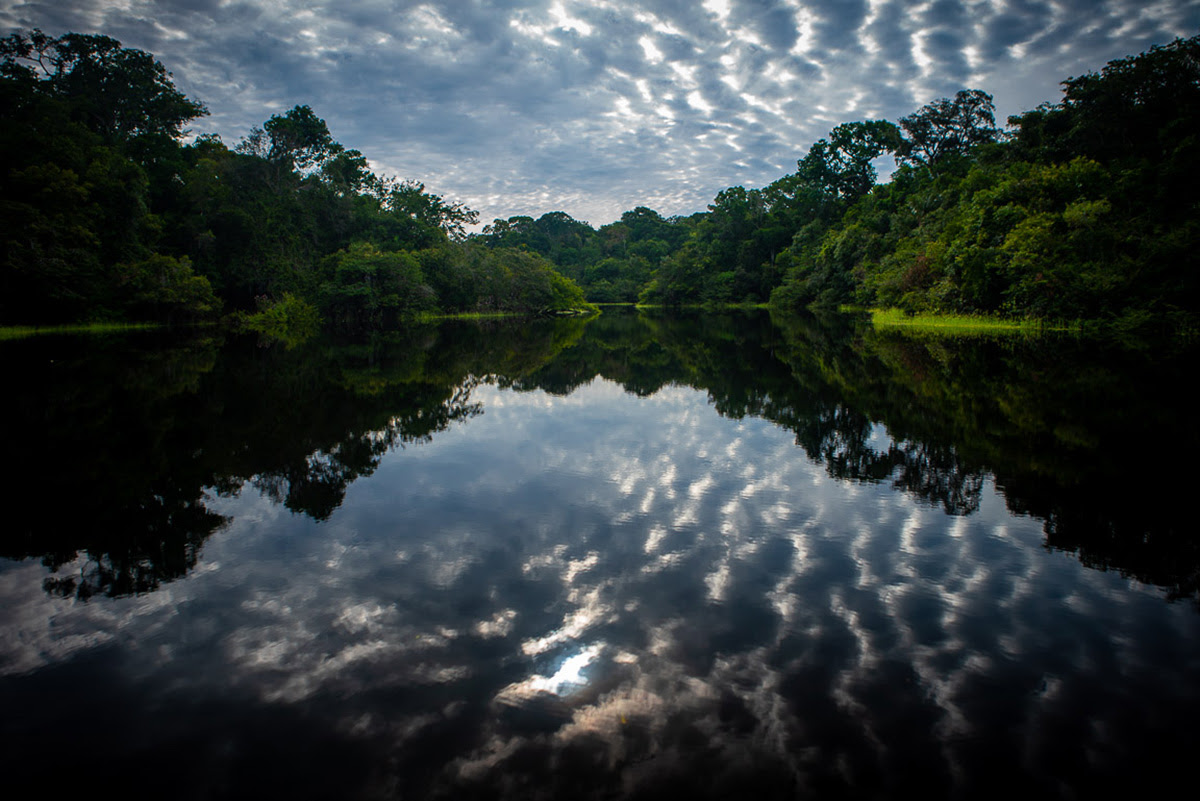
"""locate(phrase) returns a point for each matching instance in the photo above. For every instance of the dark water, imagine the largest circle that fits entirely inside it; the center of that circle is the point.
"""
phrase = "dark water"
(644, 556)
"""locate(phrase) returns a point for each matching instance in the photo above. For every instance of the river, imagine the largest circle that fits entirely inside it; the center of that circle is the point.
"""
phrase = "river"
(716, 555)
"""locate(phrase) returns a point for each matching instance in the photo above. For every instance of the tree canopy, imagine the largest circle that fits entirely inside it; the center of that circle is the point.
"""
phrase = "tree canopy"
(118, 92)
(948, 128)
(1082, 209)
(108, 212)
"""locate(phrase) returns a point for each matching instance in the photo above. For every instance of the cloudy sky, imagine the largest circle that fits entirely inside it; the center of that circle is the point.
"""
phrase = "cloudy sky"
(529, 106)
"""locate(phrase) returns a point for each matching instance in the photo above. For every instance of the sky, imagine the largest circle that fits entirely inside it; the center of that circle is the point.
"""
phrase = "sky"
(593, 108)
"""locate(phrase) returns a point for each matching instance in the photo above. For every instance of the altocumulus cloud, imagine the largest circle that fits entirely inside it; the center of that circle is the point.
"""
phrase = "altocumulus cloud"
(595, 107)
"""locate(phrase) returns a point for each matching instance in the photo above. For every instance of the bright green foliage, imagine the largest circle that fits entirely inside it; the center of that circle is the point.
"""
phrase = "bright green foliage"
(741, 250)
(1016, 238)
(368, 286)
(1089, 211)
(611, 264)
(518, 281)
(1087, 208)
(957, 325)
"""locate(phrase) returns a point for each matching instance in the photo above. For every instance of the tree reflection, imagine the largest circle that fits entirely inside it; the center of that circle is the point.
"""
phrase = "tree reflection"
(154, 543)
(115, 443)
(89, 426)
(315, 483)
(1056, 422)
(936, 474)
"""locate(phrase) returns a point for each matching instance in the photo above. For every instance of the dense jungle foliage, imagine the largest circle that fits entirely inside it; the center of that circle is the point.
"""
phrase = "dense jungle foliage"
(1087, 208)
(109, 214)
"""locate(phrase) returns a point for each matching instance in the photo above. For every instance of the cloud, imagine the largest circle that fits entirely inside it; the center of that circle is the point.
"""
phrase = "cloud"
(838, 21)
(595, 107)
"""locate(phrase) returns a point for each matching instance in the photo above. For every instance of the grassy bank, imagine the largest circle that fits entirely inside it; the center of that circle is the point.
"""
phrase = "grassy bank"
(964, 324)
(433, 317)
(25, 331)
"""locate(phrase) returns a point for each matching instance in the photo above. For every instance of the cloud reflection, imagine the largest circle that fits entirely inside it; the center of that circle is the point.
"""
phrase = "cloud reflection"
(700, 604)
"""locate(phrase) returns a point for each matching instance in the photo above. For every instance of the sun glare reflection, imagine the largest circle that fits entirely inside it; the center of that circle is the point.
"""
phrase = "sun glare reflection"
(569, 675)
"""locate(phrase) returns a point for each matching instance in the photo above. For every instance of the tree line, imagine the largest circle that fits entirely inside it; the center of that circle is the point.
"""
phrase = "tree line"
(108, 213)
(1086, 208)
(1082, 209)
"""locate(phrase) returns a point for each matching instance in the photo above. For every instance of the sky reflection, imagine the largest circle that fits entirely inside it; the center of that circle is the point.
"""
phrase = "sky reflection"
(606, 592)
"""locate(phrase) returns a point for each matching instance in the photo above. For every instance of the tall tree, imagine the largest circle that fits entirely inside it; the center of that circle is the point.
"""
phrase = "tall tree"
(947, 128)
(409, 198)
(841, 165)
(118, 92)
(85, 126)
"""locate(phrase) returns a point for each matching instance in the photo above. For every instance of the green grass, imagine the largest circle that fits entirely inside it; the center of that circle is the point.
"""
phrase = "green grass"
(25, 331)
(430, 317)
(962, 324)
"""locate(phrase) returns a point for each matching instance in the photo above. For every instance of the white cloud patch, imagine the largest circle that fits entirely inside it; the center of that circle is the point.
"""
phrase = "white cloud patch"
(492, 104)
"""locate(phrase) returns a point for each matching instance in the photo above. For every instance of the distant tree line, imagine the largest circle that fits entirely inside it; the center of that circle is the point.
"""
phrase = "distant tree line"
(1087, 208)
(613, 264)
(108, 213)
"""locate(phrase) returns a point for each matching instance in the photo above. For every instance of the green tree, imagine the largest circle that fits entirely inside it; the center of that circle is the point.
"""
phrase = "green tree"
(84, 126)
(118, 92)
(368, 287)
(297, 140)
(840, 166)
(409, 198)
(164, 288)
(948, 128)
(1144, 106)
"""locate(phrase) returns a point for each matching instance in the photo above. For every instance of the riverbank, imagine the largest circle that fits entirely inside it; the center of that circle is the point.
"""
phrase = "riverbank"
(966, 324)
(24, 331)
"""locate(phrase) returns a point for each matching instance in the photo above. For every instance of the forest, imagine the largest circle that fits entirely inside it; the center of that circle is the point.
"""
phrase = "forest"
(1081, 209)
(109, 214)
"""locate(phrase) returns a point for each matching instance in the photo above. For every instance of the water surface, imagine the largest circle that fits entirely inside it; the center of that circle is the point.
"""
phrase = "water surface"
(720, 555)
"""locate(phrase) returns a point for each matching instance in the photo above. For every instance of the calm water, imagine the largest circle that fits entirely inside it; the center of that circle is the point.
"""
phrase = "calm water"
(718, 556)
